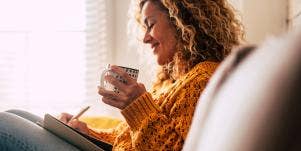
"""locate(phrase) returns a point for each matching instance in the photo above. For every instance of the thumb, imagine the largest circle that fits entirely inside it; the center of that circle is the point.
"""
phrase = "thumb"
(141, 85)
(73, 123)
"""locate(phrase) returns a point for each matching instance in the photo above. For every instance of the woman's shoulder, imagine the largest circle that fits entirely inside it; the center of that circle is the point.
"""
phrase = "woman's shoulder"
(203, 68)
(199, 73)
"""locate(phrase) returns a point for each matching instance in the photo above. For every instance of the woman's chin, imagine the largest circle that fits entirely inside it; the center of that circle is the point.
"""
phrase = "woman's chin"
(162, 62)
(159, 63)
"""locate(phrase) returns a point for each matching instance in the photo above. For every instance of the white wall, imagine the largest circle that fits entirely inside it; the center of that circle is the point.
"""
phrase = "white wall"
(295, 13)
(122, 54)
(263, 18)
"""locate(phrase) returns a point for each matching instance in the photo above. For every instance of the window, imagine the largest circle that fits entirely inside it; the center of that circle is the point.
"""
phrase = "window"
(50, 53)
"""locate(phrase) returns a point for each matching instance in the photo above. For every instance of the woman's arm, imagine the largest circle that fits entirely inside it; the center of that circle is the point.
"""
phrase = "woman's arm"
(166, 127)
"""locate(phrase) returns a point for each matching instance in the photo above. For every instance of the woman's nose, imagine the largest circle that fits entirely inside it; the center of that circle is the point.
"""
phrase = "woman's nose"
(147, 38)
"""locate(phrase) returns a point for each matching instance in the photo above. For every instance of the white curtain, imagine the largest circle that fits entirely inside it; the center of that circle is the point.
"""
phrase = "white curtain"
(51, 53)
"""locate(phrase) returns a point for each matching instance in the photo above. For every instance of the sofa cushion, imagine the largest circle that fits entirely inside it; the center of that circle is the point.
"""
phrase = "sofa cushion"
(253, 102)
(100, 122)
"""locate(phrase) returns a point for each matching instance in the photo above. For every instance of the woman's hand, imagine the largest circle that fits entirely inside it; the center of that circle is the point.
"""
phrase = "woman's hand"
(75, 123)
(128, 91)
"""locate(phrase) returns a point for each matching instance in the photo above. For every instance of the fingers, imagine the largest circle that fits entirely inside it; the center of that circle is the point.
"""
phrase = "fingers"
(118, 84)
(142, 87)
(112, 95)
(123, 74)
(125, 88)
(65, 117)
(109, 94)
(78, 125)
(117, 104)
(121, 100)
(129, 91)
(112, 98)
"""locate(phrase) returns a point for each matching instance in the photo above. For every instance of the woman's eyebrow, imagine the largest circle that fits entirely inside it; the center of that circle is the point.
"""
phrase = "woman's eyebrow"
(147, 18)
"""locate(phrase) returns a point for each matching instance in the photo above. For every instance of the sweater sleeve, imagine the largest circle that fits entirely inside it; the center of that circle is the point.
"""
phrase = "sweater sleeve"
(107, 135)
(153, 127)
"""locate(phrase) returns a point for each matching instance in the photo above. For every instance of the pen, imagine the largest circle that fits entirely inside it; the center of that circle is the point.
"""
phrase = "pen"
(81, 112)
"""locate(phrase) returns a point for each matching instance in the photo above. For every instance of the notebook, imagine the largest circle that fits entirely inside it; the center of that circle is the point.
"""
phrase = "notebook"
(78, 139)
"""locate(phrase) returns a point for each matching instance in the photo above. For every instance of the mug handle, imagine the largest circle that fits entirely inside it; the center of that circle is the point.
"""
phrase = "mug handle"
(102, 77)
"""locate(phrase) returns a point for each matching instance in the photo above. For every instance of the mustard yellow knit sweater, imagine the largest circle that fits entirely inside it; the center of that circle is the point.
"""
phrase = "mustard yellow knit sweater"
(160, 123)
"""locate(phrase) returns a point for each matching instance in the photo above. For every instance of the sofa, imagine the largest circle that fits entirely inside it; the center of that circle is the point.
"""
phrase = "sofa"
(253, 100)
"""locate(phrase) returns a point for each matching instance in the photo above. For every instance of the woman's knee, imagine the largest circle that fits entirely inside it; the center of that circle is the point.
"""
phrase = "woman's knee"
(17, 133)
(8, 120)
(26, 115)
(10, 136)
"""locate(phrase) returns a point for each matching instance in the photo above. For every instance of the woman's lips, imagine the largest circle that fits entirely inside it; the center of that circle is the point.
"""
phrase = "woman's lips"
(154, 46)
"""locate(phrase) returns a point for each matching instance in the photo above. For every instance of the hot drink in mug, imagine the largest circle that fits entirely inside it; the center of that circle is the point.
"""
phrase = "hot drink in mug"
(132, 72)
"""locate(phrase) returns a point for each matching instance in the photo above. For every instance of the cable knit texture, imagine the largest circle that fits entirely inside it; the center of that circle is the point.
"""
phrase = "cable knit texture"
(160, 123)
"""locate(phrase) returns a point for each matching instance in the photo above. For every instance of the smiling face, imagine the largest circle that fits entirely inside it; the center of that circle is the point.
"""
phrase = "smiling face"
(160, 34)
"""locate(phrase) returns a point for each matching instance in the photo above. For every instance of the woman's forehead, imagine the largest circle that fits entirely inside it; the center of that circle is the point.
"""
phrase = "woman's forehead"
(149, 10)
(149, 7)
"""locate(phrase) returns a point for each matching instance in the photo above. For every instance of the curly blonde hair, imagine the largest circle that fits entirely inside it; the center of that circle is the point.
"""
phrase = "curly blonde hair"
(206, 29)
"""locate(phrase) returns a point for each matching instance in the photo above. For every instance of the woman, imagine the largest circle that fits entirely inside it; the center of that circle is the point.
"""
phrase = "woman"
(189, 39)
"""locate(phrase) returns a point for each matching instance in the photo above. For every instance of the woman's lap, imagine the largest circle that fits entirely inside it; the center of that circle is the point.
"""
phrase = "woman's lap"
(17, 133)
(26, 115)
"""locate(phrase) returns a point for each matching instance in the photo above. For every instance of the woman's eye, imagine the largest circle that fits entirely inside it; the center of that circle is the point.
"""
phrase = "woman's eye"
(150, 26)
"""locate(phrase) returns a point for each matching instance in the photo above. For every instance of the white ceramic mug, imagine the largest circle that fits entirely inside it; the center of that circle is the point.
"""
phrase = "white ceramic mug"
(104, 84)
